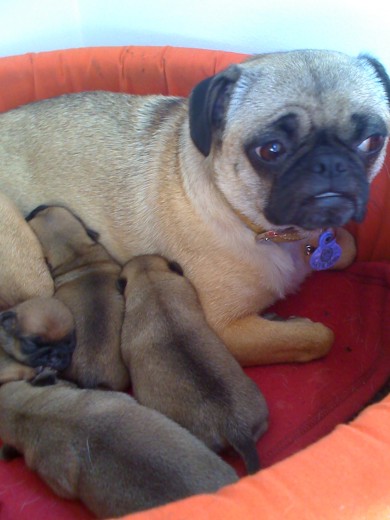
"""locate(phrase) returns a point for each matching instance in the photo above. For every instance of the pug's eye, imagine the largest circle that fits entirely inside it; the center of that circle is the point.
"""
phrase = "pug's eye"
(271, 151)
(372, 144)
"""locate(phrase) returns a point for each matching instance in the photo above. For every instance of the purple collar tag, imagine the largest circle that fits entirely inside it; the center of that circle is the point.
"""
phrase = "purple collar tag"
(327, 253)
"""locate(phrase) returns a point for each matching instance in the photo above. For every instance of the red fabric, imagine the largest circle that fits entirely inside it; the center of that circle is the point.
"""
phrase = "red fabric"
(373, 235)
(306, 401)
(24, 496)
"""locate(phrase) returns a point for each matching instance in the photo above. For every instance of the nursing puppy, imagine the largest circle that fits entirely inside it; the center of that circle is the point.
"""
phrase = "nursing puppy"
(85, 278)
(35, 334)
(23, 273)
(233, 183)
(105, 449)
(180, 367)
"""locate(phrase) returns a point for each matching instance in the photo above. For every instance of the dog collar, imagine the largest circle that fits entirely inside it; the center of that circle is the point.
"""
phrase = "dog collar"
(288, 234)
(323, 256)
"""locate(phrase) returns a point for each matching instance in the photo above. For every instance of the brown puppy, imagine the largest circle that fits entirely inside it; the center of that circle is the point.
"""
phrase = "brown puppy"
(39, 333)
(180, 367)
(24, 273)
(233, 183)
(102, 447)
(85, 279)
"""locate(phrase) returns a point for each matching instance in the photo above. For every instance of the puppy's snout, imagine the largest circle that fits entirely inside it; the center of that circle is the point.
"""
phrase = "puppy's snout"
(56, 355)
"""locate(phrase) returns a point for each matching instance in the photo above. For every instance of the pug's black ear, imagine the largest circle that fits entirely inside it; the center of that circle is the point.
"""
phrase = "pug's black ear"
(207, 106)
(380, 72)
(9, 321)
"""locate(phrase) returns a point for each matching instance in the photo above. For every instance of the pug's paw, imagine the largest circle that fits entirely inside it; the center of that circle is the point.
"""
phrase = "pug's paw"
(254, 340)
(314, 338)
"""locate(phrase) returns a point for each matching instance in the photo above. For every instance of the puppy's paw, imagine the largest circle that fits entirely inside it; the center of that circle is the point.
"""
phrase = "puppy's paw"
(45, 376)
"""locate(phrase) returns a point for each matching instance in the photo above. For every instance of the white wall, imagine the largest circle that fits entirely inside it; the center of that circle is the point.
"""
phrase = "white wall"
(249, 26)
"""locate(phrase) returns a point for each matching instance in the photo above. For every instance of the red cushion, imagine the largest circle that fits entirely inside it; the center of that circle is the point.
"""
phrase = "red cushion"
(307, 401)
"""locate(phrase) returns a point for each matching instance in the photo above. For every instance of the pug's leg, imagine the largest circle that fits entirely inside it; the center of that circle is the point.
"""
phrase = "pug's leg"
(24, 272)
(12, 370)
(348, 247)
(254, 340)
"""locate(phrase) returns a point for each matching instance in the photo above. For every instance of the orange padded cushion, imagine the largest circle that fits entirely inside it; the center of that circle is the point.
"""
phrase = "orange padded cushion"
(344, 475)
(137, 70)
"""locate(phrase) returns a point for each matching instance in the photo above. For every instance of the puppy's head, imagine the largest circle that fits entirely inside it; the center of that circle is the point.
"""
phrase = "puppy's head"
(151, 267)
(39, 332)
(62, 235)
(295, 138)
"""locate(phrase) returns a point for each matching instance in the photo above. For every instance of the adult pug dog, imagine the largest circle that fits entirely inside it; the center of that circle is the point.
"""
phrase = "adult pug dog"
(283, 140)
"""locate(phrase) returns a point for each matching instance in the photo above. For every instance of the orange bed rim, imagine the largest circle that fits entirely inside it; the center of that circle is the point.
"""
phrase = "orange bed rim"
(343, 475)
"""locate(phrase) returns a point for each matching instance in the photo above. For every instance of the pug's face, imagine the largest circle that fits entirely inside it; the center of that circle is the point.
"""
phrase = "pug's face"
(295, 138)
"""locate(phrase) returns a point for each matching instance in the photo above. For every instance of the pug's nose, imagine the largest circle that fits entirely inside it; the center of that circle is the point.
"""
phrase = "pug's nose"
(329, 165)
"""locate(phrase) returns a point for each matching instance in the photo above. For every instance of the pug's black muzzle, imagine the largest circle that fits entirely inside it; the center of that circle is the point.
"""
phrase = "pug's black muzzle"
(53, 355)
(322, 189)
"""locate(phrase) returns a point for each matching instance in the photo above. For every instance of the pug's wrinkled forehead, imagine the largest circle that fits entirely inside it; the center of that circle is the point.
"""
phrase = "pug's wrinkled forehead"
(321, 88)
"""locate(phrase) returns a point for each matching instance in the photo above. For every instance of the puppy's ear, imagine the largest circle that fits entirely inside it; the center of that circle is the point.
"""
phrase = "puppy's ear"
(9, 322)
(380, 72)
(207, 106)
(176, 268)
(35, 212)
(121, 285)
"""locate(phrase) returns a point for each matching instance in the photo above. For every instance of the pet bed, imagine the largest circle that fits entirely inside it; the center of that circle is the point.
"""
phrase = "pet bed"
(317, 464)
